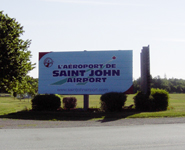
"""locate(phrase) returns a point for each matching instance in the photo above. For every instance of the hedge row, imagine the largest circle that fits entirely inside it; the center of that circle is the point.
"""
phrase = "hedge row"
(113, 101)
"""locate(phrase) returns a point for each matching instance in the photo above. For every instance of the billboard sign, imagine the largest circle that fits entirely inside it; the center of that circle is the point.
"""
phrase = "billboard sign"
(85, 72)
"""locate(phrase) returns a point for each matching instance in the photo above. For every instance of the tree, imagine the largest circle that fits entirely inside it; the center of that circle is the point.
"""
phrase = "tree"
(137, 85)
(14, 54)
(171, 85)
(29, 86)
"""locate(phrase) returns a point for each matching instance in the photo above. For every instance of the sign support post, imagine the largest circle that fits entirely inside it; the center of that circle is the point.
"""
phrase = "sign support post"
(86, 102)
(145, 71)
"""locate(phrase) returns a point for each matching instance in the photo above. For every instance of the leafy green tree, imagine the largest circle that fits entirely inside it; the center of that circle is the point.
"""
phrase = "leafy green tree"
(136, 85)
(33, 86)
(14, 54)
(29, 86)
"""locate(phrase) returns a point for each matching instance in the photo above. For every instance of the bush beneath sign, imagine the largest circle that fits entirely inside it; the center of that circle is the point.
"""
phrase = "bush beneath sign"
(157, 101)
(47, 102)
(69, 102)
(113, 101)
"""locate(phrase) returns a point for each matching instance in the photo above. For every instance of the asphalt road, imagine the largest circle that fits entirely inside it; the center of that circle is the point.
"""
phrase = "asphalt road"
(143, 136)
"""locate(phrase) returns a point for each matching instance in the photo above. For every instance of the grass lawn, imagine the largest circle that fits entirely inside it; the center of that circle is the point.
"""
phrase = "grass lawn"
(176, 108)
(10, 105)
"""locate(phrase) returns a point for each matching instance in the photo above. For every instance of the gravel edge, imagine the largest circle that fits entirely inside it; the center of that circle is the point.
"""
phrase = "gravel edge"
(22, 124)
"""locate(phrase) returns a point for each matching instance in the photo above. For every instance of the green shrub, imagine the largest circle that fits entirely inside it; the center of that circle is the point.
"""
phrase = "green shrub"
(48, 102)
(69, 102)
(161, 99)
(157, 101)
(112, 101)
(143, 102)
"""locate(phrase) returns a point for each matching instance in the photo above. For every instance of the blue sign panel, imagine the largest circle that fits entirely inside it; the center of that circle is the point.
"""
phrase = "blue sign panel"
(86, 72)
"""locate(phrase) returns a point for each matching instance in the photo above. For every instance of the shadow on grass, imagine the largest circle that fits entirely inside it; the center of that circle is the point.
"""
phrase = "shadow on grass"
(113, 116)
(72, 115)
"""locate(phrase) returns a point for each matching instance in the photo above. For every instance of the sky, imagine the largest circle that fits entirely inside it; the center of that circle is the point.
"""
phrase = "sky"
(78, 25)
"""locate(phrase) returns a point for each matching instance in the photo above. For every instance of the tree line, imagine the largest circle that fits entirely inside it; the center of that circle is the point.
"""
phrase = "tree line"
(172, 85)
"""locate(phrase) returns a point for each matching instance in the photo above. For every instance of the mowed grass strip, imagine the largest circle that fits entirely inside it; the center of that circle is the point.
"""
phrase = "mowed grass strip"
(176, 106)
(11, 105)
